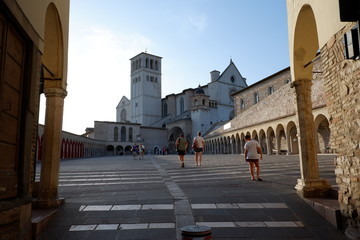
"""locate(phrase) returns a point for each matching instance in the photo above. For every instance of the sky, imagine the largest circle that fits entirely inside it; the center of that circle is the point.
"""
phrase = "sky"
(193, 37)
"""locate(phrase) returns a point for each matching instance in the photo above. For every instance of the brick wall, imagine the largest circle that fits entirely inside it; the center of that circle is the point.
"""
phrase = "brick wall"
(342, 95)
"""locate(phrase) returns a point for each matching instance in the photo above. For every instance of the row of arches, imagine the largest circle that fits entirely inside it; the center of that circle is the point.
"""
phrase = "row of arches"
(71, 149)
(111, 150)
(126, 135)
(282, 139)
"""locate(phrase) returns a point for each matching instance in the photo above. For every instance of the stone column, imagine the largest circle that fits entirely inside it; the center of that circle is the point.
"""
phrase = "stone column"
(49, 178)
(269, 147)
(288, 144)
(310, 185)
(278, 139)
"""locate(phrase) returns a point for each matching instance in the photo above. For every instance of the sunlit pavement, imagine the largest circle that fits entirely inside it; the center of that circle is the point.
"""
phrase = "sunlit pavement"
(122, 198)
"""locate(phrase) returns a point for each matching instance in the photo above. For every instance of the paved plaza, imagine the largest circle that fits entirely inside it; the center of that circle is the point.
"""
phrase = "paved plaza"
(121, 198)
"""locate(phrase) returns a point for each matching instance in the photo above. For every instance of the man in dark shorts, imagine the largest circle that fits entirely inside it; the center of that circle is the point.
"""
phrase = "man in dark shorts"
(181, 146)
(252, 152)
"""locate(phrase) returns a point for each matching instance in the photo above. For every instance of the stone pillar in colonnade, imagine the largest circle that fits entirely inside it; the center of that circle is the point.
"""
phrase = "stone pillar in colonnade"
(268, 143)
(310, 184)
(50, 165)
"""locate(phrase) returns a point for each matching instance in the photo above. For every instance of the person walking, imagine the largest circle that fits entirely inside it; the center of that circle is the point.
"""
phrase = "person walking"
(252, 152)
(181, 146)
(142, 151)
(135, 151)
(199, 148)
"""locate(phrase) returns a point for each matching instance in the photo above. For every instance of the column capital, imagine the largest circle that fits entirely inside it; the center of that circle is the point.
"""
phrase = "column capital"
(301, 82)
(55, 92)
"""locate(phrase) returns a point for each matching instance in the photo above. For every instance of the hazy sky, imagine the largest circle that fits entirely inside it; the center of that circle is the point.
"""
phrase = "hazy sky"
(193, 37)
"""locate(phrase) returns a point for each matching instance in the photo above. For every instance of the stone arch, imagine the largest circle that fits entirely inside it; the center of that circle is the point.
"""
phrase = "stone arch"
(232, 144)
(293, 143)
(281, 139)
(116, 134)
(216, 146)
(254, 135)
(271, 140)
(156, 150)
(174, 133)
(242, 140)
(131, 134)
(53, 64)
(305, 47)
(123, 115)
(123, 134)
(262, 141)
(221, 146)
(227, 145)
(119, 150)
(53, 57)
(110, 150)
(128, 150)
(323, 134)
(238, 144)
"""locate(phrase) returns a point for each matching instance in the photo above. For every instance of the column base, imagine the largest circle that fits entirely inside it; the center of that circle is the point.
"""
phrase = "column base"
(352, 233)
(312, 188)
(53, 203)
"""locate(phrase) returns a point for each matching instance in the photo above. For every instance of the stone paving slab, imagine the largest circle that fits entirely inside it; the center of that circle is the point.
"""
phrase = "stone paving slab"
(118, 198)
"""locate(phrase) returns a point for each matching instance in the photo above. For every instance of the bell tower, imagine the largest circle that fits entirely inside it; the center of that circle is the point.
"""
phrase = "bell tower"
(145, 85)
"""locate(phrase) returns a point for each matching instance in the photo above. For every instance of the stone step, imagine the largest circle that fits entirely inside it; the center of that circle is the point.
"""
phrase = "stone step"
(328, 208)
(39, 219)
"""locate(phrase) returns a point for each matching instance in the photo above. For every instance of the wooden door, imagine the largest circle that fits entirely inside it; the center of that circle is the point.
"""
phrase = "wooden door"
(12, 55)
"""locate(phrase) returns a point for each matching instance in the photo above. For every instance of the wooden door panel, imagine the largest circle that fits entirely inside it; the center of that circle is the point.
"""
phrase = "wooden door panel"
(15, 46)
(8, 130)
(11, 102)
(8, 186)
(7, 158)
(12, 60)
(2, 24)
(12, 72)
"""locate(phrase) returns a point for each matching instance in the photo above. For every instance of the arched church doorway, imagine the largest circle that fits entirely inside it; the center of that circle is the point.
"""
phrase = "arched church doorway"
(174, 134)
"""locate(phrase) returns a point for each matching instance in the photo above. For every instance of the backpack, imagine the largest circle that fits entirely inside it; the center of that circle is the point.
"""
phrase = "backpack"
(195, 145)
(181, 144)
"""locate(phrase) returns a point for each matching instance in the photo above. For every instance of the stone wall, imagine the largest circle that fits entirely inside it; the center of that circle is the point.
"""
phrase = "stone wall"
(276, 80)
(342, 94)
(277, 106)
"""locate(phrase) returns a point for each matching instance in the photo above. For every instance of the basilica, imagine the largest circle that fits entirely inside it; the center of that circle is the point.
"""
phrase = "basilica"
(156, 122)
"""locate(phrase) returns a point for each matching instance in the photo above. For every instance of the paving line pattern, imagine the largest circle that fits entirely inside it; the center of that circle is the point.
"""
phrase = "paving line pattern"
(145, 207)
(102, 178)
(137, 226)
(171, 177)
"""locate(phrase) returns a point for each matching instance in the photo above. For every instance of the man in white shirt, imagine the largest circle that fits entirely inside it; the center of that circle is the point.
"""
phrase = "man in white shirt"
(199, 148)
(252, 151)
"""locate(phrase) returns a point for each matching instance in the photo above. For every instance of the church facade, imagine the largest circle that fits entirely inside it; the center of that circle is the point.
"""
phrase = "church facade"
(192, 110)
